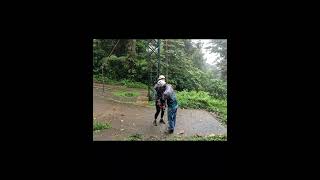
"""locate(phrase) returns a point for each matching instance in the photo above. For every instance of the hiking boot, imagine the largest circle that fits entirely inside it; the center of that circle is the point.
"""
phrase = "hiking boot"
(169, 131)
(161, 121)
(155, 122)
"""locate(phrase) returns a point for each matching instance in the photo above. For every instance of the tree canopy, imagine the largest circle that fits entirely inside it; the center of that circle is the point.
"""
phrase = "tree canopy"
(182, 62)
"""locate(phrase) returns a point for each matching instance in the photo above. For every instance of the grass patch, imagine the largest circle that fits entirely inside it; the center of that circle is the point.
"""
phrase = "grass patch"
(133, 84)
(151, 103)
(135, 137)
(126, 94)
(125, 82)
(209, 138)
(202, 100)
(200, 138)
(97, 126)
(139, 137)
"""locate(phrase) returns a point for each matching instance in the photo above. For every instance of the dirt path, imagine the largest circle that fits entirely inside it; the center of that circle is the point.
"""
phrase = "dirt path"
(132, 115)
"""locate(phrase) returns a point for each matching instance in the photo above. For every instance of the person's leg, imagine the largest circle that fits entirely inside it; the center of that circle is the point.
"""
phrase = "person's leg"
(156, 115)
(162, 114)
(170, 120)
(174, 115)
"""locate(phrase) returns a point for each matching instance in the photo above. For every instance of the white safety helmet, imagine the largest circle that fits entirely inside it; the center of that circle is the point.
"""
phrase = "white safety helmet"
(161, 77)
(161, 83)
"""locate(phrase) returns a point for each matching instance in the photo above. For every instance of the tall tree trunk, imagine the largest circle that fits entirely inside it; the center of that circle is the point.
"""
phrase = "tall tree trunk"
(131, 49)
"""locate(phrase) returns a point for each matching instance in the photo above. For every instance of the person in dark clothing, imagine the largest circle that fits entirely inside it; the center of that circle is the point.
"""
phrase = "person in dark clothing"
(160, 103)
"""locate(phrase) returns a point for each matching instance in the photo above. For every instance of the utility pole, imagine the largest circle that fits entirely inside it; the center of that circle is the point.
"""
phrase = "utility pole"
(158, 57)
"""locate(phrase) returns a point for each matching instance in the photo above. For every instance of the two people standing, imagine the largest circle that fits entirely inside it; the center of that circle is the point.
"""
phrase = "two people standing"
(165, 93)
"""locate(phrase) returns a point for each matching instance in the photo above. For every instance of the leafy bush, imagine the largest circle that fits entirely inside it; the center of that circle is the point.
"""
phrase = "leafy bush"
(116, 67)
(202, 100)
(208, 138)
(217, 88)
(199, 138)
(132, 84)
(182, 59)
(127, 83)
(126, 94)
(191, 78)
(99, 126)
(135, 137)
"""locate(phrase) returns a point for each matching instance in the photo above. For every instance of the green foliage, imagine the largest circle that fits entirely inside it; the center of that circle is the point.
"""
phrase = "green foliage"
(116, 67)
(100, 126)
(132, 84)
(123, 67)
(135, 137)
(187, 70)
(127, 83)
(212, 137)
(99, 79)
(151, 103)
(202, 100)
(208, 138)
(200, 138)
(194, 79)
(220, 46)
(181, 58)
(217, 88)
(126, 94)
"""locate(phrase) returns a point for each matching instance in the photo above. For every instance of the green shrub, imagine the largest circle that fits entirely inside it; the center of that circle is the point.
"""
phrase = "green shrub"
(126, 94)
(199, 138)
(132, 84)
(208, 138)
(127, 83)
(99, 126)
(217, 88)
(202, 100)
(135, 137)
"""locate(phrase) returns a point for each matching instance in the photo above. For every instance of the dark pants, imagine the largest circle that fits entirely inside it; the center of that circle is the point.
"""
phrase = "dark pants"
(158, 111)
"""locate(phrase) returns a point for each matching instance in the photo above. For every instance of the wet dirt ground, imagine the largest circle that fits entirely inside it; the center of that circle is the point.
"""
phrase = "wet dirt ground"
(133, 115)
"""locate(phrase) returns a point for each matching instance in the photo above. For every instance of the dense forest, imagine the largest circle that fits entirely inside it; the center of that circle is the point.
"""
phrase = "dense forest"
(181, 61)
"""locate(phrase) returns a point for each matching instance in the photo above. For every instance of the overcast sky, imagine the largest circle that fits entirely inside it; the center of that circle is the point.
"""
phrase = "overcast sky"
(211, 57)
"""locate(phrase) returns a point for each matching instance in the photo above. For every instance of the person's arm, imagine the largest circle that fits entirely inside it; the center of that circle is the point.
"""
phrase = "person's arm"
(166, 93)
(156, 88)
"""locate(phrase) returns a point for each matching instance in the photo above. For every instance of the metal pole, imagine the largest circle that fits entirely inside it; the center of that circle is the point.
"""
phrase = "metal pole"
(102, 80)
(167, 59)
(158, 57)
(149, 67)
(149, 89)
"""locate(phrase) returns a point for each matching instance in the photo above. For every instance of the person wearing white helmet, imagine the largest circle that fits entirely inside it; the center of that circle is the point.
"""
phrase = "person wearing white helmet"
(161, 77)
(160, 103)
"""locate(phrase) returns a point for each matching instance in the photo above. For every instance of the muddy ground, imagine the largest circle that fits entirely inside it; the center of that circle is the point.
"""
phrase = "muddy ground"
(133, 115)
